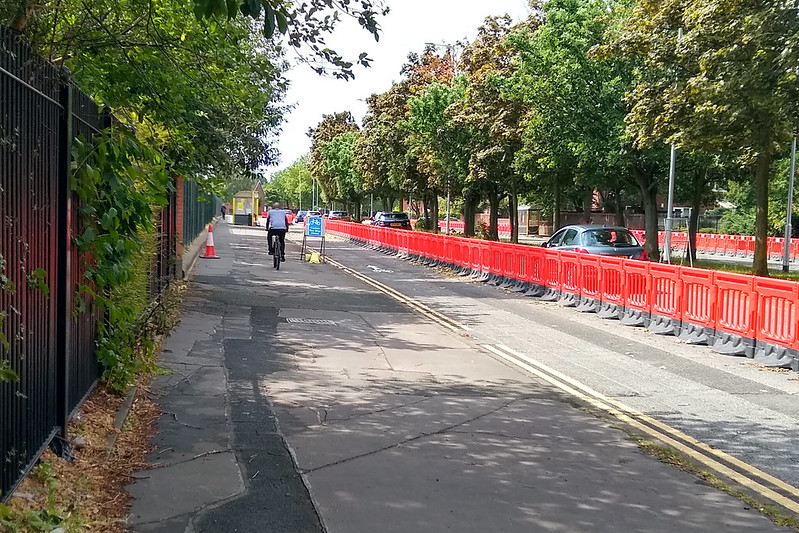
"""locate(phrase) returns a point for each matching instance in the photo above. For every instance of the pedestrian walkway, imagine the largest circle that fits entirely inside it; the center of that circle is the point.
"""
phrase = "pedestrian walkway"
(304, 400)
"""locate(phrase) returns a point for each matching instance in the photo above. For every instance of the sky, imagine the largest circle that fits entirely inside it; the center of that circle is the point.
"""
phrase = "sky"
(409, 25)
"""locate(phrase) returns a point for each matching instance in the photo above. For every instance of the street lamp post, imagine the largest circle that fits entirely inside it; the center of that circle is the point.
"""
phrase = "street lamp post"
(670, 203)
(786, 251)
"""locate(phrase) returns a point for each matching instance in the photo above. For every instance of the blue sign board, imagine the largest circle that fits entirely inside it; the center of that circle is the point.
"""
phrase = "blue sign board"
(315, 227)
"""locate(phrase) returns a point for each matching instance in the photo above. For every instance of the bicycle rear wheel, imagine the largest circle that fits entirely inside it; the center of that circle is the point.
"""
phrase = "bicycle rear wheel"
(276, 249)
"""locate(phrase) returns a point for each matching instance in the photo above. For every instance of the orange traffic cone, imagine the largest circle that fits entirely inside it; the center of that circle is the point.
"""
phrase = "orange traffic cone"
(210, 253)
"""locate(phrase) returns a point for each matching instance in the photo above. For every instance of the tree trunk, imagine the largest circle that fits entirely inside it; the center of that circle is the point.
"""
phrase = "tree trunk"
(469, 208)
(762, 170)
(493, 230)
(588, 201)
(434, 214)
(513, 207)
(648, 188)
(619, 209)
(696, 205)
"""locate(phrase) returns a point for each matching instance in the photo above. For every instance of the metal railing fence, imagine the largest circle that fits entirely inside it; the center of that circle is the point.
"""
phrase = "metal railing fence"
(49, 345)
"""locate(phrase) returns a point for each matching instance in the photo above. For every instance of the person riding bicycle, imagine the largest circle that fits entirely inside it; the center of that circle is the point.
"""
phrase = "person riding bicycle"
(277, 224)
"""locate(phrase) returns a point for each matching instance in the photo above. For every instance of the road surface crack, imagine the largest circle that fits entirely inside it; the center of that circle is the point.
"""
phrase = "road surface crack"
(421, 436)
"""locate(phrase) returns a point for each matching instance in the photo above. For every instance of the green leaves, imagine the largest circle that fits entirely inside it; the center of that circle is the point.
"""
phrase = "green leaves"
(36, 281)
(118, 182)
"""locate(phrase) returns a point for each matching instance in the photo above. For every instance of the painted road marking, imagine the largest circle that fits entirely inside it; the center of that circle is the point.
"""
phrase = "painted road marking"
(698, 451)
(410, 302)
(714, 459)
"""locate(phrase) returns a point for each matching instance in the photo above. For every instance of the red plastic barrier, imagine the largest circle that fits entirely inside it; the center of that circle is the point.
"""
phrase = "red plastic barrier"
(591, 276)
(536, 265)
(612, 279)
(747, 246)
(392, 238)
(777, 301)
(427, 246)
(485, 257)
(698, 301)
(702, 242)
(776, 247)
(552, 269)
(521, 271)
(474, 256)
(679, 240)
(570, 272)
(734, 244)
(666, 290)
(496, 258)
(637, 289)
(509, 260)
(735, 303)
(437, 245)
(462, 254)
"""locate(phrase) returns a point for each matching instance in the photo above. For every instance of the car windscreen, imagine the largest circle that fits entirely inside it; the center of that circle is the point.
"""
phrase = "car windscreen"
(394, 216)
(610, 237)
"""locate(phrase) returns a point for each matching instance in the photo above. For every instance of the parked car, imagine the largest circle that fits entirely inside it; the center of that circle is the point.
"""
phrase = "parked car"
(300, 215)
(310, 214)
(595, 239)
(393, 219)
(339, 215)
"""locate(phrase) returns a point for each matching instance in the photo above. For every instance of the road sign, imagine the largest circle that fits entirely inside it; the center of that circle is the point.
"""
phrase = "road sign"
(315, 227)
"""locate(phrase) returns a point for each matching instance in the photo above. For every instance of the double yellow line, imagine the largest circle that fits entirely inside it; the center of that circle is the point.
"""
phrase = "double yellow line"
(722, 463)
(417, 306)
(746, 475)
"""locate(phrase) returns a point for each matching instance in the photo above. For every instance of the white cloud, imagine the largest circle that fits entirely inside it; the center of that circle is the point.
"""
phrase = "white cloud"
(409, 25)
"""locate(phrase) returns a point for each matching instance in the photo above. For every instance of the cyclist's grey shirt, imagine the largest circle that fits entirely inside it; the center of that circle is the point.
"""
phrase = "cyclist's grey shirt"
(277, 219)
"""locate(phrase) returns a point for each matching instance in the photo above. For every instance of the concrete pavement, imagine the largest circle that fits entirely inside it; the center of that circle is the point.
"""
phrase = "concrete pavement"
(304, 400)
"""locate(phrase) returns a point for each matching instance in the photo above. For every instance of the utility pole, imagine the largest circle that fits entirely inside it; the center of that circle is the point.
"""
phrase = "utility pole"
(670, 204)
(786, 252)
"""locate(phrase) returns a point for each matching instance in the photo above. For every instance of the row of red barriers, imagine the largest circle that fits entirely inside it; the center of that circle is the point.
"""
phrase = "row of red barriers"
(735, 313)
(728, 245)
(709, 243)
(459, 225)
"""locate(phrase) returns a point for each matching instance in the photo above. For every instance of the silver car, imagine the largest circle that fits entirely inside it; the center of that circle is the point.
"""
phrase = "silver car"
(595, 239)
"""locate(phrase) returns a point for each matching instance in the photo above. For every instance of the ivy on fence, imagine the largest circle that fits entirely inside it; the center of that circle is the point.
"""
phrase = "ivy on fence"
(6, 372)
(121, 184)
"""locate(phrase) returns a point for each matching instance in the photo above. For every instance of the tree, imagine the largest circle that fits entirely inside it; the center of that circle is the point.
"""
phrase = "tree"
(381, 151)
(328, 129)
(339, 162)
(436, 144)
(575, 133)
(304, 24)
(729, 84)
(292, 185)
(203, 93)
(493, 120)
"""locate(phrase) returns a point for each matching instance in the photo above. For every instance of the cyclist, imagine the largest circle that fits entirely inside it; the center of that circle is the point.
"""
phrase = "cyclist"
(277, 224)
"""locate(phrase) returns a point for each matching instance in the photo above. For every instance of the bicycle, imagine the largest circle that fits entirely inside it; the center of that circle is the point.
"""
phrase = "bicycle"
(278, 250)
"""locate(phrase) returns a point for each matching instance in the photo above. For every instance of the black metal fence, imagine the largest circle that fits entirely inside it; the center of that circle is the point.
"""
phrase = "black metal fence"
(45, 342)
(199, 208)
